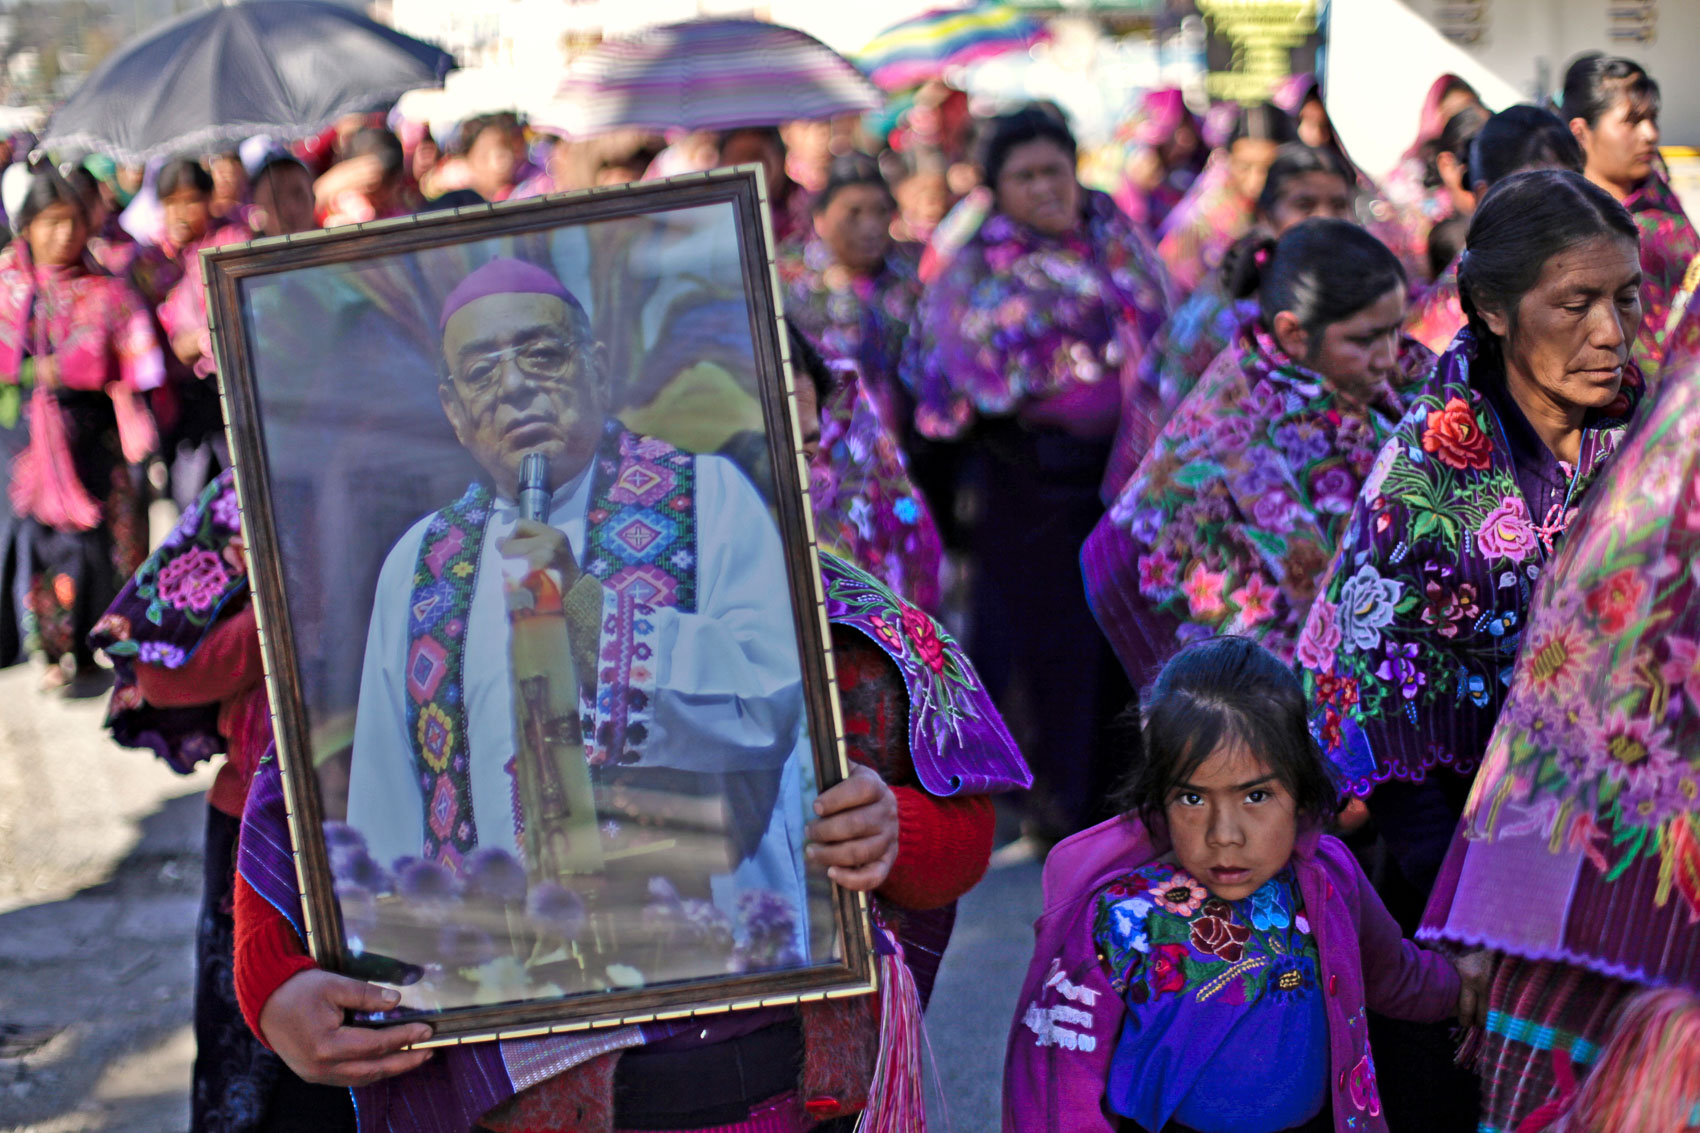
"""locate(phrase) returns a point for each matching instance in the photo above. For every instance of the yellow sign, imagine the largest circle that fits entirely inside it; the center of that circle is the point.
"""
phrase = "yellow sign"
(1263, 34)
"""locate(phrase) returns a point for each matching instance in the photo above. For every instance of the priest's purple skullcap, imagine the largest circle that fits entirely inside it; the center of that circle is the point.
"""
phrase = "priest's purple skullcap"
(506, 276)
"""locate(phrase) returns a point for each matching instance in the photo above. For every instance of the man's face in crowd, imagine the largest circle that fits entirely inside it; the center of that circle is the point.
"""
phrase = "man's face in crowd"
(283, 197)
(524, 376)
(186, 216)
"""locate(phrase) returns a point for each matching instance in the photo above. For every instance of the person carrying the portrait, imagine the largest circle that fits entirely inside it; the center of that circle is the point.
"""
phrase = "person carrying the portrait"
(912, 824)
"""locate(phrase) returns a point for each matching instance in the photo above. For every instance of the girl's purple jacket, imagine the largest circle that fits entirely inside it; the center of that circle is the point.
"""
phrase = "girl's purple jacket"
(1068, 1018)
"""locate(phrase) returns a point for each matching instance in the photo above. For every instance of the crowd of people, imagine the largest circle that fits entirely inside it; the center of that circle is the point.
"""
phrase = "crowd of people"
(1271, 449)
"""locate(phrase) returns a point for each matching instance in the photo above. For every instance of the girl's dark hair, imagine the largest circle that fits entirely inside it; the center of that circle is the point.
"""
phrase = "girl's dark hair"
(379, 143)
(844, 172)
(1320, 272)
(769, 135)
(1007, 131)
(1523, 222)
(1519, 138)
(1445, 241)
(86, 184)
(1263, 121)
(1294, 160)
(505, 120)
(1456, 139)
(1226, 691)
(1595, 82)
(46, 190)
(807, 362)
(182, 173)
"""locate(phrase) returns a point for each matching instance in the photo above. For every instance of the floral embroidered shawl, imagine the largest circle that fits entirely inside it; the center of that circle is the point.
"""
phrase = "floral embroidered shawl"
(1200, 329)
(1233, 516)
(1585, 816)
(161, 617)
(864, 319)
(865, 505)
(1407, 652)
(1438, 314)
(1049, 328)
(1668, 245)
(1197, 234)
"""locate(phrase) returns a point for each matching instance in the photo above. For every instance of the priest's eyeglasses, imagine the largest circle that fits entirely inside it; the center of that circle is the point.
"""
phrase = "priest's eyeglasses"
(545, 360)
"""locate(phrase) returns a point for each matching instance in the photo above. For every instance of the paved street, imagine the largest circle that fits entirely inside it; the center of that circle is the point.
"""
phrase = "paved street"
(99, 882)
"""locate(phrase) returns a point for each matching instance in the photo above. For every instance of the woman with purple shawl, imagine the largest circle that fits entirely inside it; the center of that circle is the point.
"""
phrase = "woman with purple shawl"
(1579, 857)
(1027, 344)
(77, 354)
(1231, 519)
(1612, 105)
(1408, 650)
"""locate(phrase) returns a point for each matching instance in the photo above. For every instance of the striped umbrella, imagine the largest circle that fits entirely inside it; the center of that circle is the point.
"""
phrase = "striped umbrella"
(923, 47)
(708, 75)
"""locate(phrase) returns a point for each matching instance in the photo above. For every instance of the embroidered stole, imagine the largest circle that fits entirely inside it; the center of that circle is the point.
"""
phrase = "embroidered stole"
(640, 542)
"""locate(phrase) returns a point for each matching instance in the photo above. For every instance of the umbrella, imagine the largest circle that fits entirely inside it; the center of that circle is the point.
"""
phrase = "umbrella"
(925, 46)
(708, 75)
(288, 68)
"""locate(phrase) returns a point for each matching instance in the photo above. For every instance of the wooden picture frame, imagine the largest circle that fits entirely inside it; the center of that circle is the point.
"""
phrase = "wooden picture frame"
(650, 892)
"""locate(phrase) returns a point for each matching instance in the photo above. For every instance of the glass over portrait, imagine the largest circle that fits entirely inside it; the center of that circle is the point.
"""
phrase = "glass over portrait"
(540, 606)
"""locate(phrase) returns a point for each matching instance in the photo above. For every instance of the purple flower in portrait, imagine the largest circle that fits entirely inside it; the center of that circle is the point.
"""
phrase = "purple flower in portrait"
(555, 910)
(662, 891)
(767, 919)
(160, 653)
(352, 864)
(1400, 668)
(493, 874)
(359, 911)
(426, 881)
(707, 926)
(342, 836)
(464, 946)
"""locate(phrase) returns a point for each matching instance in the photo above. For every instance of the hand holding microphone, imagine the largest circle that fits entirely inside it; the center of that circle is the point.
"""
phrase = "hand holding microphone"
(533, 540)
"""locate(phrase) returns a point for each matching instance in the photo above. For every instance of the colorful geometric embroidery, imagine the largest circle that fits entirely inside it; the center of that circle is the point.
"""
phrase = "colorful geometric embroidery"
(436, 706)
(641, 543)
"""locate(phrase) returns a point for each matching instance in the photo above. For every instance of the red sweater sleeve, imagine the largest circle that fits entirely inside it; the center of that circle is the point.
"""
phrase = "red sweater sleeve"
(943, 847)
(268, 953)
(227, 663)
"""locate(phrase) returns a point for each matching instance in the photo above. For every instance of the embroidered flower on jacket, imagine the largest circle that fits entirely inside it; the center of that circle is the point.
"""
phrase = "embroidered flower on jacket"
(1367, 605)
(1455, 436)
(1127, 924)
(1179, 894)
(1269, 906)
(1400, 668)
(1168, 971)
(1220, 937)
(1616, 599)
(1507, 532)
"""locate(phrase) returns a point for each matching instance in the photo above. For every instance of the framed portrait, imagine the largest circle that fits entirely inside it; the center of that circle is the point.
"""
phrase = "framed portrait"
(540, 606)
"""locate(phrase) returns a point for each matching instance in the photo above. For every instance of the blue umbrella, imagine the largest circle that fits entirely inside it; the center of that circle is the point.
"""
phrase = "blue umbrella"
(288, 68)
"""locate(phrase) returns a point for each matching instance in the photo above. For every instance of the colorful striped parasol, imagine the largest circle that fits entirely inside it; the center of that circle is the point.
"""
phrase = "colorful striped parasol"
(921, 48)
(708, 75)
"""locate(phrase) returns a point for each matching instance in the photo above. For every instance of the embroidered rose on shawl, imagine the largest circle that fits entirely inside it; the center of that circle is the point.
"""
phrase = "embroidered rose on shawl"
(1230, 434)
(115, 627)
(1218, 937)
(1157, 575)
(1507, 532)
(1321, 636)
(1445, 609)
(1334, 490)
(193, 580)
(1203, 589)
(924, 635)
(1274, 512)
(1256, 600)
(1367, 606)
(160, 653)
(1400, 668)
(1179, 894)
(1455, 436)
(225, 513)
(1303, 442)
(1615, 600)
(1168, 971)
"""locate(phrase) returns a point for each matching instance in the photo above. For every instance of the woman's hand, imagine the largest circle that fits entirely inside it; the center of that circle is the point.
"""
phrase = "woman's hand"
(304, 1022)
(1475, 975)
(1353, 815)
(855, 836)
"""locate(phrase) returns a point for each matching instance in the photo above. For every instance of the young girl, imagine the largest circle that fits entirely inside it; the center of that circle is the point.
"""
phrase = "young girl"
(1205, 961)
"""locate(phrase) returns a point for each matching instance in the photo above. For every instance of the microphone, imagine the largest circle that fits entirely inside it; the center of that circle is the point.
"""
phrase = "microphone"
(534, 487)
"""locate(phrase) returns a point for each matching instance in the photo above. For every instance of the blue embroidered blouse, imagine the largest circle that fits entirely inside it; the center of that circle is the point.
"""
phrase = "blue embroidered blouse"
(1225, 1029)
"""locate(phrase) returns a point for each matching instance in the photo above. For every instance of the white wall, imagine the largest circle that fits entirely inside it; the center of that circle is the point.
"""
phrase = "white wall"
(1383, 54)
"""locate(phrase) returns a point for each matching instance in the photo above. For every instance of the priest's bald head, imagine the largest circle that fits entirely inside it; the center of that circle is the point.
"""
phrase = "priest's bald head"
(523, 373)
